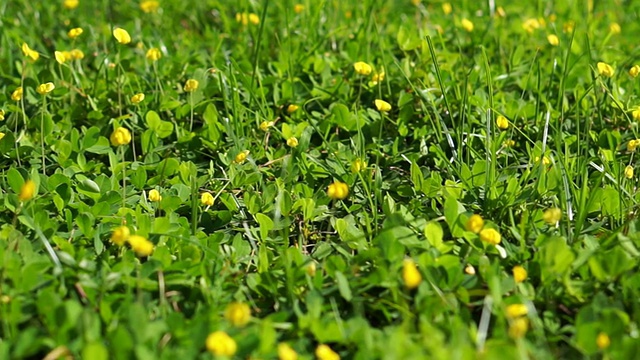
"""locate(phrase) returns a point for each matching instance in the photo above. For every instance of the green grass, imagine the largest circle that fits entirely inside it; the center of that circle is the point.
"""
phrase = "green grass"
(312, 268)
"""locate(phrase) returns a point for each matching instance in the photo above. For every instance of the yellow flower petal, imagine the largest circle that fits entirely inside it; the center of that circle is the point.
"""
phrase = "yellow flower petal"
(121, 35)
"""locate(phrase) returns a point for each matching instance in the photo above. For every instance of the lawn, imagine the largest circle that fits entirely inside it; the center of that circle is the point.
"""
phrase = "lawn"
(324, 180)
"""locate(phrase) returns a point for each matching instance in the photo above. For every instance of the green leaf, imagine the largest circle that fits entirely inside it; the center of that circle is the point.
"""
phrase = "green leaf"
(266, 224)
(433, 232)
(555, 258)
(343, 286)
(408, 38)
(416, 177)
(161, 128)
(607, 266)
(15, 180)
(95, 351)
(343, 117)
(452, 211)
(89, 185)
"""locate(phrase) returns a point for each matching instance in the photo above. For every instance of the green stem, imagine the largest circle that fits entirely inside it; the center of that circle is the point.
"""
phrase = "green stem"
(158, 83)
(118, 79)
(124, 177)
(194, 205)
(24, 114)
(191, 104)
(44, 108)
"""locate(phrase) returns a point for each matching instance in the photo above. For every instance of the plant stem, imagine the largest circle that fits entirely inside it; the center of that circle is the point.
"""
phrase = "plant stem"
(124, 177)
(118, 79)
(44, 108)
(191, 104)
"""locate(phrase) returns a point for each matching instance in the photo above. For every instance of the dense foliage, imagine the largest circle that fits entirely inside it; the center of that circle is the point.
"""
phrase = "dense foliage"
(324, 179)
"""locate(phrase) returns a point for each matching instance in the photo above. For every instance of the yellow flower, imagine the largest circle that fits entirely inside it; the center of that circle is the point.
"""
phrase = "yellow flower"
(324, 352)
(27, 190)
(603, 341)
(292, 108)
(615, 28)
(153, 54)
(410, 274)
(628, 172)
(542, 22)
(633, 144)
(502, 122)
(519, 273)
(17, 94)
(545, 160)
(467, 25)
(358, 165)
(634, 71)
(516, 310)
(470, 270)
(362, 68)
(45, 88)
(121, 136)
(636, 114)
(241, 157)
(140, 245)
(508, 143)
(530, 25)
(1, 114)
(238, 314)
(75, 32)
(491, 236)
(149, 6)
(298, 8)
(120, 235)
(206, 199)
(265, 125)
(220, 343)
(553, 40)
(137, 98)
(245, 18)
(191, 85)
(70, 4)
(154, 195)
(382, 105)
(378, 77)
(447, 8)
(28, 52)
(518, 327)
(552, 216)
(568, 26)
(338, 190)
(242, 18)
(121, 35)
(286, 352)
(311, 269)
(2, 135)
(500, 12)
(474, 224)
(292, 142)
(76, 54)
(605, 69)
(60, 57)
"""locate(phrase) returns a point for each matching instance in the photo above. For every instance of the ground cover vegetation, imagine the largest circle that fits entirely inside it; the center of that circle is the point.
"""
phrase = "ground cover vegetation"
(319, 180)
